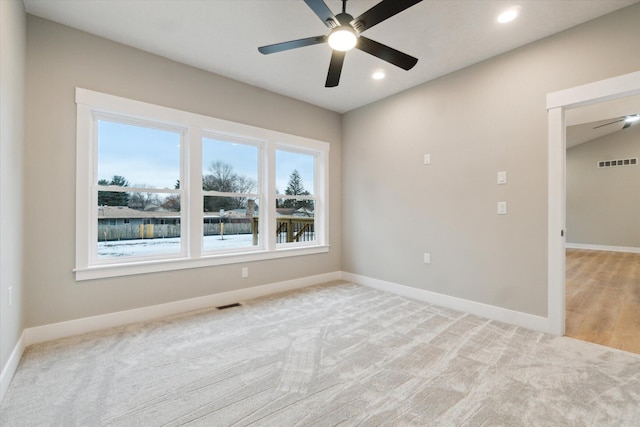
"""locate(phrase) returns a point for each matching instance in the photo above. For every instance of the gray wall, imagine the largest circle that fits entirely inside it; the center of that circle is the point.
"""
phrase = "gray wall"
(487, 118)
(603, 204)
(12, 68)
(475, 122)
(59, 59)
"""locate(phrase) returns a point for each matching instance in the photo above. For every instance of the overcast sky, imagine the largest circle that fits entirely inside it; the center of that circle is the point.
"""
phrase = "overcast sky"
(151, 157)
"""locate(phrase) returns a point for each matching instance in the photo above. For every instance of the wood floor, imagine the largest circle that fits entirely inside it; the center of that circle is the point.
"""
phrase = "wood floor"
(603, 298)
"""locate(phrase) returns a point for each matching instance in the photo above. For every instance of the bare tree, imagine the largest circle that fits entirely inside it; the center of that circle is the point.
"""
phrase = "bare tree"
(143, 201)
(222, 178)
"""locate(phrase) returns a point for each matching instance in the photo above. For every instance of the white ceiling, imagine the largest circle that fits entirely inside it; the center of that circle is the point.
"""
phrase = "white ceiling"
(222, 36)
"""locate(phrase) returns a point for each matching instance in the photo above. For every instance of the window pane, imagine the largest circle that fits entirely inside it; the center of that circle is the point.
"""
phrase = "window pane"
(294, 173)
(295, 221)
(151, 228)
(230, 223)
(137, 156)
(229, 167)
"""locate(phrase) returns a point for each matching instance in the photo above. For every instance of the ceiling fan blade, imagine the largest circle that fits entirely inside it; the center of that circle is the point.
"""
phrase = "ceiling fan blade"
(335, 68)
(380, 12)
(626, 125)
(293, 44)
(386, 53)
(610, 123)
(324, 13)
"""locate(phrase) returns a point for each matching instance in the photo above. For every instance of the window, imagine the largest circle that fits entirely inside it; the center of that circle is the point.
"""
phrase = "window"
(295, 209)
(161, 189)
(231, 188)
(138, 178)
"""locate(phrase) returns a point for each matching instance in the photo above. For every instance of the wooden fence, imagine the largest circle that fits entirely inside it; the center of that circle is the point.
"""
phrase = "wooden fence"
(289, 229)
(137, 231)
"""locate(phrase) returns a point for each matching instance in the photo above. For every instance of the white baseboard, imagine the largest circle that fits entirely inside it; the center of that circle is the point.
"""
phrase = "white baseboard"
(10, 367)
(512, 317)
(89, 324)
(629, 249)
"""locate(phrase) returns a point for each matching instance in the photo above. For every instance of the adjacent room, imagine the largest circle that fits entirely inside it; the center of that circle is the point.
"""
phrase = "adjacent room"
(216, 213)
(603, 232)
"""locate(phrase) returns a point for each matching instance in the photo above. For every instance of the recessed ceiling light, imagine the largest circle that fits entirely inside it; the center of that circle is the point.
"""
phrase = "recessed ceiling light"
(631, 119)
(508, 15)
(378, 75)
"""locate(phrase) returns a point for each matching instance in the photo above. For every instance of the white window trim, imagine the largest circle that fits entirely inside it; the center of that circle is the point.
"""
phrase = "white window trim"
(262, 181)
(318, 185)
(193, 126)
(97, 115)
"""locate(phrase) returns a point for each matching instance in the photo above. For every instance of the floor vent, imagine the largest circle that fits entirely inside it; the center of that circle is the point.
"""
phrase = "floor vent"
(223, 307)
(613, 163)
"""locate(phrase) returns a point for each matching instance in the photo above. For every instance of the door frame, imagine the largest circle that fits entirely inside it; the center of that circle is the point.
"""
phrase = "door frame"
(557, 103)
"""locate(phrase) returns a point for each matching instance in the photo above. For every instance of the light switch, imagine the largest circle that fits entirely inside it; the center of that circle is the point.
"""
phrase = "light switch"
(427, 258)
(427, 159)
(502, 208)
(502, 177)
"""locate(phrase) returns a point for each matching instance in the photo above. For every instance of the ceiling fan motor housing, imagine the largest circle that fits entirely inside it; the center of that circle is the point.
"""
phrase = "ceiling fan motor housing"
(344, 37)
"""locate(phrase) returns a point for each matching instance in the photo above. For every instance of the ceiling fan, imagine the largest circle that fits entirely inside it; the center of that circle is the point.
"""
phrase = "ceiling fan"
(345, 35)
(628, 121)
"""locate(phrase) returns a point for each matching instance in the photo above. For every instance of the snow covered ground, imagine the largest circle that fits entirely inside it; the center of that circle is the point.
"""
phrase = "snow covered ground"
(145, 247)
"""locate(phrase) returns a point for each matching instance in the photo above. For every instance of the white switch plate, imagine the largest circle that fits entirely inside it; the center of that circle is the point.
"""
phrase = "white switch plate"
(502, 177)
(245, 271)
(427, 258)
(502, 208)
(427, 159)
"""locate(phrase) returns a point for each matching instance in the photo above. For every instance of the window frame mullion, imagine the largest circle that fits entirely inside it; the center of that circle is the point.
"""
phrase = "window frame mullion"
(194, 193)
(269, 223)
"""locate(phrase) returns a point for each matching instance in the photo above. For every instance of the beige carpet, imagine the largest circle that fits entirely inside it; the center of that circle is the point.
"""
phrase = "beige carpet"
(338, 354)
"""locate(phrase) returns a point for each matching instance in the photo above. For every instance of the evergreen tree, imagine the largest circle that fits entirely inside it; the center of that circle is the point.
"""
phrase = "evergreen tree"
(296, 188)
(113, 198)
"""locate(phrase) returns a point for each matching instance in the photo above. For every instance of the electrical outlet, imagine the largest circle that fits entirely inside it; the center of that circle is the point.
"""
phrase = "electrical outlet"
(502, 178)
(427, 159)
(502, 208)
(245, 272)
(427, 258)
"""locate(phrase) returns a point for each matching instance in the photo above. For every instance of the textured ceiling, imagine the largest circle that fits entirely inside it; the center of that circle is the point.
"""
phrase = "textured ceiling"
(222, 36)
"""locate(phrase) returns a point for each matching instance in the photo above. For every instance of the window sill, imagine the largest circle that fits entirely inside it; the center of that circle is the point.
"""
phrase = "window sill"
(104, 271)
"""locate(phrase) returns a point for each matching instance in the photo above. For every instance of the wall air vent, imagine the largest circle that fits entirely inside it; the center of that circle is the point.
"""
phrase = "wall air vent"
(613, 163)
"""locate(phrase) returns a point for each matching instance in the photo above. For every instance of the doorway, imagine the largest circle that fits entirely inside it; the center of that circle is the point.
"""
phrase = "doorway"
(602, 279)
(558, 103)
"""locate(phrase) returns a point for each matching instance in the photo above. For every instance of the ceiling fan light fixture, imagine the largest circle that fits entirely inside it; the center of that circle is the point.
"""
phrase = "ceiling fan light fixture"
(343, 38)
(631, 119)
